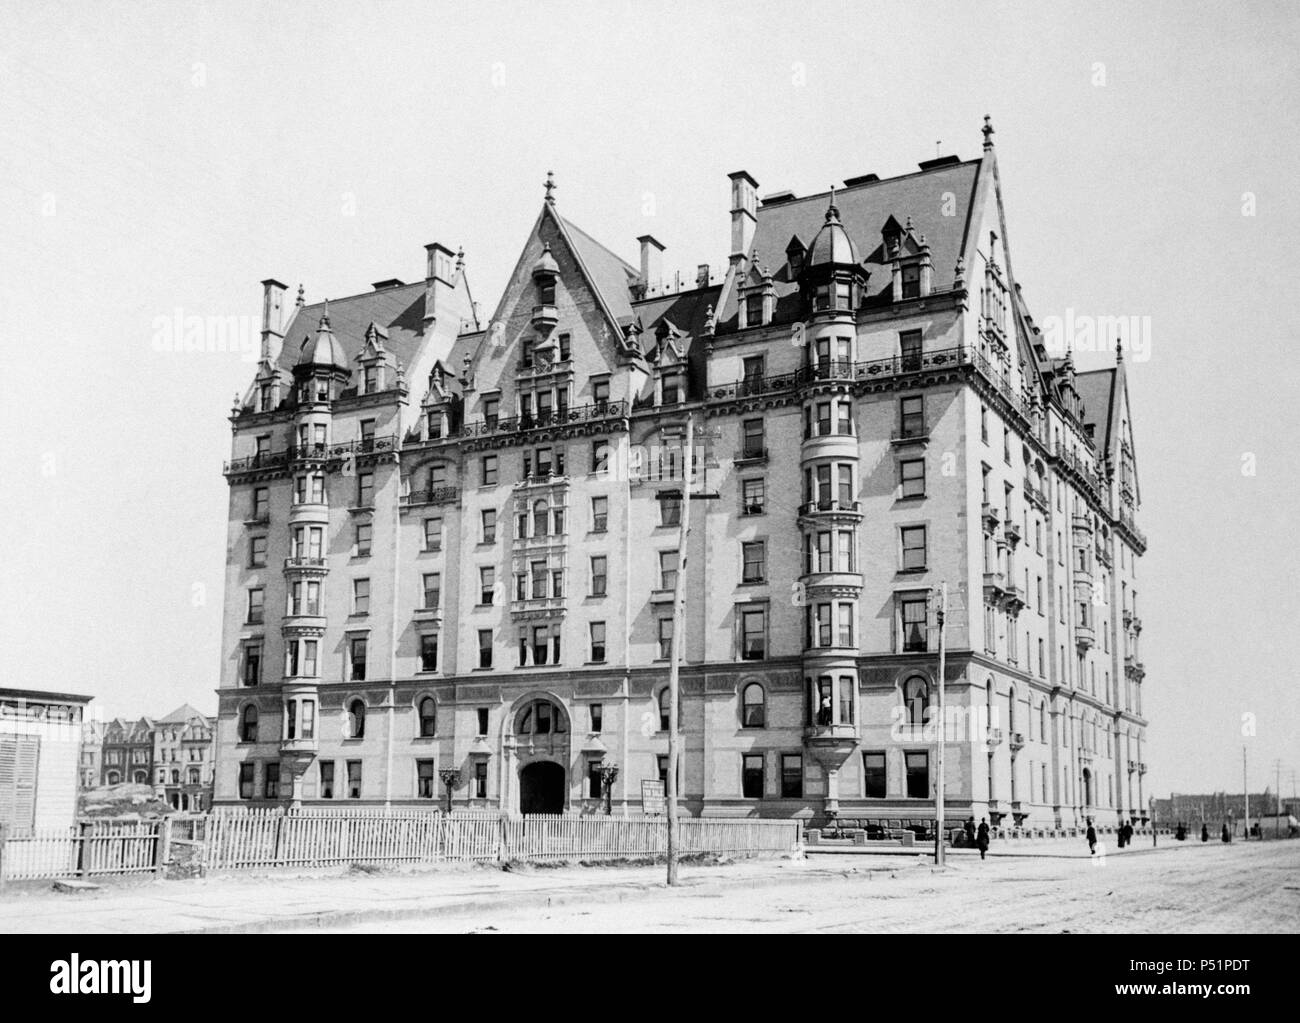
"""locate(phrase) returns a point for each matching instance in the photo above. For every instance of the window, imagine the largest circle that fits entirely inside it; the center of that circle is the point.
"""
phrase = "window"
(432, 590)
(791, 776)
(845, 637)
(670, 509)
(597, 642)
(429, 652)
(354, 779)
(754, 561)
(593, 779)
(541, 633)
(309, 719)
(252, 664)
(753, 703)
(489, 470)
(916, 698)
(910, 340)
(1006, 445)
(541, 517)
(526, 350)
(356, 720)
(365, 489)
(248, 724)
(271, 781)
(488, 516)
(487, 581)
(480, 779)
(600, 392)
(665, 638)
(599, 514)
(912, 411)
(752, 444)
(361, 596)
(364, 533)
(424, 787)
(918, 775)
(433, 534)
(256, 611)
(984, 423)
(753, 635)
(873, 775)
(753, 370)
(358, 660)
(752, 496)
(245, 780)
(541, 717)
(664, 705)
(257, 552)
(913, 547)
(751, 776)
(598, 576)
(596, 713)
(912, 474)
(667, 570)
(261, 504)
(754, 309)
(485, 648)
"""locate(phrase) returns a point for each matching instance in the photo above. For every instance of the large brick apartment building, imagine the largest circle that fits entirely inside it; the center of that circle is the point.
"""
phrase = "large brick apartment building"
(453, 541)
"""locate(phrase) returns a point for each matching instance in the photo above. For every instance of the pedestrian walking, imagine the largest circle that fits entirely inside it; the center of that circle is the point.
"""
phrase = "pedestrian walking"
(1226, 836)
(1205, 833)
(970, 832)
(982, 840)
(1092, 839)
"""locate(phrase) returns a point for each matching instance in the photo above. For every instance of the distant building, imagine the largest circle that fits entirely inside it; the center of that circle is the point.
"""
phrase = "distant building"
(1216, 806)
(128, 751)
(182, 758)
(40, 745)
(92, 753)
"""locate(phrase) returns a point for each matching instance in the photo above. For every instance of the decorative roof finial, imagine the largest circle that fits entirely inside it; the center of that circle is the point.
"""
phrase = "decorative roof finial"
(551, 186)
(460, 258)
(908, 226)
(1119, 350)
(325, 316)
(988, 132)
(301, 300)
(832, 211)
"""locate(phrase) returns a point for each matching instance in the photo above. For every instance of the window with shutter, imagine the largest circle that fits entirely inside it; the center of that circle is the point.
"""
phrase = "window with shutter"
(18, 758)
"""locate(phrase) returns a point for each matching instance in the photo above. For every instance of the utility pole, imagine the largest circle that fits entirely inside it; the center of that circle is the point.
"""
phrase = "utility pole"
(1245, 782)
(1277, 801)
(679, 591)
(943, 727)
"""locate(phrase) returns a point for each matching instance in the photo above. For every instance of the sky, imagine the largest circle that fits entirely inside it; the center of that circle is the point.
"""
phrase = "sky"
(160, 159)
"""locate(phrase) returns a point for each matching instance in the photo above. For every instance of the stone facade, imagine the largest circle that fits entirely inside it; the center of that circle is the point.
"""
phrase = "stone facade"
(452, 543)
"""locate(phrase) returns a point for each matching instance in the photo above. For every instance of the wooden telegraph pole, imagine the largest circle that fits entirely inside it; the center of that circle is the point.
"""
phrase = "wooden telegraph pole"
(679, 591)
(938, 789)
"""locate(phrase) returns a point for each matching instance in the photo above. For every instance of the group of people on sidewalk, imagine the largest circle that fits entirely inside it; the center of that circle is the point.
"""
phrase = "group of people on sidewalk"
(980, 838)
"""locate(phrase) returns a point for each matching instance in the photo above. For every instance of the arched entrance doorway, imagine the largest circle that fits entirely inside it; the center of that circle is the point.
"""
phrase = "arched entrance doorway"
(541, 787)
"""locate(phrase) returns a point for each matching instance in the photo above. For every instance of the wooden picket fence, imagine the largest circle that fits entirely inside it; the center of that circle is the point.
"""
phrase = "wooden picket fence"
(241, 839)
(87, 849)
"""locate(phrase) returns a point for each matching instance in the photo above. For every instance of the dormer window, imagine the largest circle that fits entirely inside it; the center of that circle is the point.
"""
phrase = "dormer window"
(491, 411)
(371, 379)
(564, 342)
(671, 389)
(264, 398)
(912, 281)
(546, 291)
(526, 353)
(754, 309)
(435, 425)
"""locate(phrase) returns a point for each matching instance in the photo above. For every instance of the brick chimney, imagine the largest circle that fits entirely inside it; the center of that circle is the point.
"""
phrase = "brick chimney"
(744, 214)
(272, 317)
(652, 261)
(438, 276)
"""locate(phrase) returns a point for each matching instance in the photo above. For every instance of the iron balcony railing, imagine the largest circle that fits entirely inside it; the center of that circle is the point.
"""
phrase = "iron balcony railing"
(841, 369)
(311, 452)
(540, 420)
(432, 495)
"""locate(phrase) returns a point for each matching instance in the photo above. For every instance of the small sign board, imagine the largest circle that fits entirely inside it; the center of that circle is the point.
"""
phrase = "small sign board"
(653, 800)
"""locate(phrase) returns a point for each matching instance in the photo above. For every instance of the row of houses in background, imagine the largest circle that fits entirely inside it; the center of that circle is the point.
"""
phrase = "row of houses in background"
(1221, 806)
(174, 754)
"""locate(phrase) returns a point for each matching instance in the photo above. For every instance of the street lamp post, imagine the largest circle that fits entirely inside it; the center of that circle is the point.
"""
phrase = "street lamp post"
(608, 775)
(941, 616)
(450, 776)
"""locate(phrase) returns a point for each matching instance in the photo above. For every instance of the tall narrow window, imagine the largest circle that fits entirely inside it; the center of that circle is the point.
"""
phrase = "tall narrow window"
(753, 706)
(597, 643)
(791, 776)
(428, 717)
(754, 561)
(598, 576)
(429, 652)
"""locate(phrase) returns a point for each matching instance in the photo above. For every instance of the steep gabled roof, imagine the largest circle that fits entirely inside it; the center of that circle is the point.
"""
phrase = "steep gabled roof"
(864, 209)
(610, 275)
(400, 311)
(181, 715)
(1097, 392)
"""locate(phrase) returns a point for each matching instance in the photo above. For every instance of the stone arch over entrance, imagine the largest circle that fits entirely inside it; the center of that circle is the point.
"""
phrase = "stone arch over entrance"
(536, 746)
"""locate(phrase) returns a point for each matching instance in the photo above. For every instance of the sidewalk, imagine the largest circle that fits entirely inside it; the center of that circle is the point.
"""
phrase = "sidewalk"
(267, 903)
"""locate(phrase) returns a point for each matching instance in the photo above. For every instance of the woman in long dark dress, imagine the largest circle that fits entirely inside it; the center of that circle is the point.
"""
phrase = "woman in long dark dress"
(982, 840)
